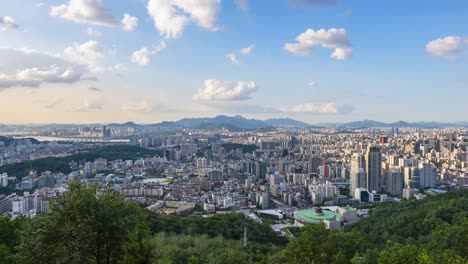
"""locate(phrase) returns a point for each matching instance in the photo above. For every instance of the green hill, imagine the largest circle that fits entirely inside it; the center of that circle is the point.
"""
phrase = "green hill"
(82, 227)
(111, 152)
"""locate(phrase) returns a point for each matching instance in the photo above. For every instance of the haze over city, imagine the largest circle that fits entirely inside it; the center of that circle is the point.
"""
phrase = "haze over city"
(317, 61)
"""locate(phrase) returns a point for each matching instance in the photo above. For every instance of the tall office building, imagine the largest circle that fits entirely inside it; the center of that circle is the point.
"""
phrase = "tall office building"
(358, 180)
(374, 168)
(394, 182)
(357, 173)
(106, 132)
(428, 176)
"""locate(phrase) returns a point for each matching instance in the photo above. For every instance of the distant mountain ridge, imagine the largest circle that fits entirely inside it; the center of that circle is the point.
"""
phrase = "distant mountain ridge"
(400, 124)
(236, 123)
(221, 121)
(286, 122)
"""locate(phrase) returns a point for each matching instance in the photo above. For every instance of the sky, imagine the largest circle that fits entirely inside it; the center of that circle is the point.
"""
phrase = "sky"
(146, 61)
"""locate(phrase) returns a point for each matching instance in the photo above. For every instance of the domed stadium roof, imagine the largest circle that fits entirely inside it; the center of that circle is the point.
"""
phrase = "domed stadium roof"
(316, 216)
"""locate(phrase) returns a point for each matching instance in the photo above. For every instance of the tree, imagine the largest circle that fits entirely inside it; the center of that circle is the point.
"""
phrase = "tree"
(82, 226)
(399, 254)
(315, 244)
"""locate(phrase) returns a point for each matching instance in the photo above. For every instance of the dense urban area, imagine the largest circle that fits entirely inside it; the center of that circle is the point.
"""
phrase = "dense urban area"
(338, 195)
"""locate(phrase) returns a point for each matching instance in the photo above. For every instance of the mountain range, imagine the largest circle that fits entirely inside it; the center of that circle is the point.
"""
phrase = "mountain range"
(237, 122)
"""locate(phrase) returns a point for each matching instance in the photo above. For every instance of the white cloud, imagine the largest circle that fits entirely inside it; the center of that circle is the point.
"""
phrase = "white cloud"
(129, 22)
(342, 53)
(248, 50)
(326, 108)
(172, 16)
(312, 84)
(243, 5)
(447, 47)
(7, 22)
(140, 106)
(84, 11)
(216, 90)
(34, 77)
(91, 54)
(142, 56)
(333, 38)
(87, 53)
(232, 58)
(94, 32)
(40, 4)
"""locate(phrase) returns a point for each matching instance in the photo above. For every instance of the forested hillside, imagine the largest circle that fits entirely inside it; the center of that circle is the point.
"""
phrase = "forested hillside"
(112, 152)
(82, 227)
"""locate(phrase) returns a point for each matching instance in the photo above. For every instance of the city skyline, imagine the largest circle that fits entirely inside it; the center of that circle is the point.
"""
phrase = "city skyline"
(150, 61)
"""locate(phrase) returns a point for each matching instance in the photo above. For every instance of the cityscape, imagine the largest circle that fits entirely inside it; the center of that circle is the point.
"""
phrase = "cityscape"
(119, 145)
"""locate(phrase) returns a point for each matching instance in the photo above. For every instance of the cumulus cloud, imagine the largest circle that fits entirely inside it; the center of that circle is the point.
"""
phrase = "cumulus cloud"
(142, 56)
(333, 38)
(94, 32)
(91, 54)
(216, 90)
(232, 58)
(247, 50)
(88, 52)
(34, 77)
(129, 23)
(172, 16)
(7, 22)
(84, 11)
(312, 84)
(448, 47)
(326, 108)
(243, 5)
(139, 107)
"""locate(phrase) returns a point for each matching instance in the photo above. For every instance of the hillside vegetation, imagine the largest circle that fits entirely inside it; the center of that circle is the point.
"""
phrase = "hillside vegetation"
(111, 152)
(82, 227)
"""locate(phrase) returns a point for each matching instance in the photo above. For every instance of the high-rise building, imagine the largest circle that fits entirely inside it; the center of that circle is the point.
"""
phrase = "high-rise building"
(374, 168)
(415, 181)
(357, 173)
(394, 181)
(427, 175)
(358, 180)
(314, 164)
(106, 132)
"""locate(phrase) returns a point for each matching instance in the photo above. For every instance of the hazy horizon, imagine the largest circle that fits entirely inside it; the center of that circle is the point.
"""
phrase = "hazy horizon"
(247, 117)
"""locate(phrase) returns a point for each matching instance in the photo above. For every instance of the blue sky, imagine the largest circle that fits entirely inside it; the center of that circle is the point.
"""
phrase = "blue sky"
(395, 60)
